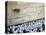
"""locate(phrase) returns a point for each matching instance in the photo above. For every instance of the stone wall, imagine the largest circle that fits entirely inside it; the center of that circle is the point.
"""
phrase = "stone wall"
(28, 12)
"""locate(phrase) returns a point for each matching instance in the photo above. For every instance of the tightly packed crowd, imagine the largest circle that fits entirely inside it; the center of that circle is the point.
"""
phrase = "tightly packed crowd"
(30, 26)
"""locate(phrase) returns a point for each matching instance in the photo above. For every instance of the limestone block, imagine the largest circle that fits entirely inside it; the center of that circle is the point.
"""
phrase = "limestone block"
(28, 12)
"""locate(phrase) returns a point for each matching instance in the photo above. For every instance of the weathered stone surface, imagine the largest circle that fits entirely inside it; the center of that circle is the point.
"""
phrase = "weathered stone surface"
(28, 12)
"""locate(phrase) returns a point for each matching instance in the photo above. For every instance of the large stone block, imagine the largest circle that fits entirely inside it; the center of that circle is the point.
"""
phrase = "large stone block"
(28, 12)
